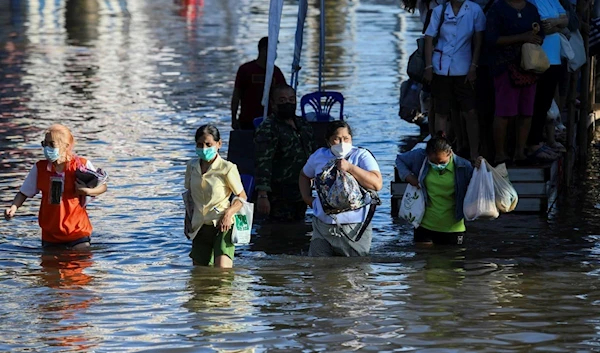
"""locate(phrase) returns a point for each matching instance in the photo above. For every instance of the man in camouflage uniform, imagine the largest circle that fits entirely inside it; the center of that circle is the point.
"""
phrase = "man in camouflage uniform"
(283, 143)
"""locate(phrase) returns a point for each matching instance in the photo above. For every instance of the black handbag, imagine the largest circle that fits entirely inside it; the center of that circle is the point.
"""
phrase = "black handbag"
(416, 62)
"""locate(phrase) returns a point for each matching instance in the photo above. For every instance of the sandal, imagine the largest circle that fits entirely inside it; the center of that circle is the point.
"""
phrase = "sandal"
(506, 161)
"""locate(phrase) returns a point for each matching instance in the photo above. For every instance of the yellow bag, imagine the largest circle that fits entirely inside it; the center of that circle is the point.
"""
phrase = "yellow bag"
(533, 57)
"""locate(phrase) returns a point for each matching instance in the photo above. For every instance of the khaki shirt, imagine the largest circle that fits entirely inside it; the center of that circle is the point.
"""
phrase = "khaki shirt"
(211, 191)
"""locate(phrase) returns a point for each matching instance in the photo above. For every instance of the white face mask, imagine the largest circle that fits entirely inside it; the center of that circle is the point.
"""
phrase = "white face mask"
(341, 150)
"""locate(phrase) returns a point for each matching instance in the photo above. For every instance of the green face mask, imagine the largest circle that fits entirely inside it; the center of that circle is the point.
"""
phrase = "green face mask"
(207, 154)
(438, 167)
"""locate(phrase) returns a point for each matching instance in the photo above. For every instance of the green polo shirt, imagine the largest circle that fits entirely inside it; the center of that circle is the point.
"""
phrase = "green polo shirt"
(441, 202)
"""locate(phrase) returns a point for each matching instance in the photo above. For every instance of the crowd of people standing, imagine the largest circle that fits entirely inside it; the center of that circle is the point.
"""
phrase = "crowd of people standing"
(476, 85)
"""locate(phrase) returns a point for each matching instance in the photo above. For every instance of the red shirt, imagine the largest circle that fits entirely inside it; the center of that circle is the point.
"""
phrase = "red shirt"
(250, 83)
(66, 220)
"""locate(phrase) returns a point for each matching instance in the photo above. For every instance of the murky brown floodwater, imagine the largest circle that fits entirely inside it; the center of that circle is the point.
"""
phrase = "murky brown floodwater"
(134, 79)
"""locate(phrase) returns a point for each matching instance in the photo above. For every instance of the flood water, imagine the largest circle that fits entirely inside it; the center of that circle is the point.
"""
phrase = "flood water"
(134, 79)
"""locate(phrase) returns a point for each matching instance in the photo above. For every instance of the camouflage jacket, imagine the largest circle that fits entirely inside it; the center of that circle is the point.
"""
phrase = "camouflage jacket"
(281, 152)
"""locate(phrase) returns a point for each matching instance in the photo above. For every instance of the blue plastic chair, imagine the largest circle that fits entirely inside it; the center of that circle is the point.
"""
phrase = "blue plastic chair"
(257, 122)
(248, 182)
(322, 103)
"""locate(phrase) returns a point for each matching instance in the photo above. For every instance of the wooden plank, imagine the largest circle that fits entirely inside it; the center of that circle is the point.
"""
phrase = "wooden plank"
(531, 205)
(519, 174)
(397, 189)
(531, 189)
(527, 174)
(523, 189)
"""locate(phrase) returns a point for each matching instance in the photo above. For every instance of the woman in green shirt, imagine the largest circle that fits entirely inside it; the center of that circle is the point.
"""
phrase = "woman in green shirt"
(444, 183)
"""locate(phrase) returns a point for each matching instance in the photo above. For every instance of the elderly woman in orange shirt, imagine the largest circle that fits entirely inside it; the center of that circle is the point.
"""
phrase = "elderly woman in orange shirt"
(63, 217)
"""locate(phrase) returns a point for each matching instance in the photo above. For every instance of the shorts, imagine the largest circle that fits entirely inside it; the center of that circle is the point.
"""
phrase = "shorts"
(209, 243)
(513, 101)
(69, 245)
(423, 235)
(328, 240)
(447, 89)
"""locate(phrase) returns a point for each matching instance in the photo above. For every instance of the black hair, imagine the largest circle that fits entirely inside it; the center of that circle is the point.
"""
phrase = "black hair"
(438, 143)
(334, 126)
(410, 5)
(263, 43)
(208, 129)
(278, 88)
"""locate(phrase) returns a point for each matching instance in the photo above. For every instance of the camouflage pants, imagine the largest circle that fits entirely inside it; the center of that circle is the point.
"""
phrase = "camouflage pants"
(283, 210)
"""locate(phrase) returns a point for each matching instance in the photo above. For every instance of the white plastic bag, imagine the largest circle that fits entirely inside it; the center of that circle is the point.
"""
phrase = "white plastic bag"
(242, 223)
(412, 207)
(506, 195)
(566, 50)
(480, 200)
(553, 113)
(578, 47)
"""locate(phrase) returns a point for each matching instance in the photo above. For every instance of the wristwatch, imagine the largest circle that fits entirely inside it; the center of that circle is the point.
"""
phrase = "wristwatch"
(265, 196)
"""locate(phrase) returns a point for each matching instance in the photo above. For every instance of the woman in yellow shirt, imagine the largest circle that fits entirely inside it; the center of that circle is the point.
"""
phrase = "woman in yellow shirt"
(211, 181)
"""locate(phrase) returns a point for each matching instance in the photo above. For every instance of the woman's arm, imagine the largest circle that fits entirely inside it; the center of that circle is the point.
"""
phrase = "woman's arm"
(17, 202)
(237, 204)
(368, 179)
(226, 220)
(82, 189)
(305, 185)
(526, 37)
(555, 25)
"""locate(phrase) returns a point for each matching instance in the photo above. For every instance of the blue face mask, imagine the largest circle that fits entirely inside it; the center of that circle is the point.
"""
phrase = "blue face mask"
(207, 153)
(51, 154)
(438, 167)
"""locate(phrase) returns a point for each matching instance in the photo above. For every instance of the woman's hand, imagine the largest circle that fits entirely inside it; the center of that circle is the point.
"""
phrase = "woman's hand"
(428, 75)
(550, 23)
(531, 37)
(472, 76)
(412, 180)
(225, 222)
(309, 201)
(81, 188)
(344, 165)
(264, 206)
(477, 162)
(10, 212)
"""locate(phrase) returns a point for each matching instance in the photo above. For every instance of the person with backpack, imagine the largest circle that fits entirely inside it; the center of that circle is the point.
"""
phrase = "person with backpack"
(346, 178)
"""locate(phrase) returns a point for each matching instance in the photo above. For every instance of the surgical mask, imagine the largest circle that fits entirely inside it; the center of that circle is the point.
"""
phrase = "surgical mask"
(341, 150)
(206, 153)
(439, 167)
(52, 154)
(286, 111)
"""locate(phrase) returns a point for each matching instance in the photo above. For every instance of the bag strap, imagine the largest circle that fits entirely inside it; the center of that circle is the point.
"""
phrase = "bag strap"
(375, 201)
(422, 167)
(441, 20)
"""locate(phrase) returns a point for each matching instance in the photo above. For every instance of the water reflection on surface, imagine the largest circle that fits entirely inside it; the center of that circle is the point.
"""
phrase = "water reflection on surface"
(134, 79)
